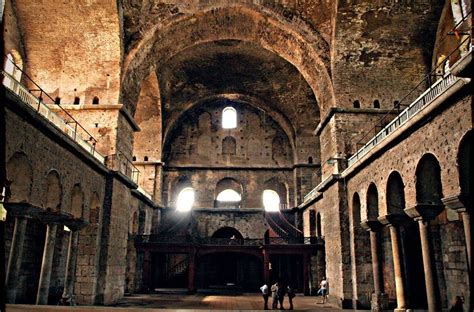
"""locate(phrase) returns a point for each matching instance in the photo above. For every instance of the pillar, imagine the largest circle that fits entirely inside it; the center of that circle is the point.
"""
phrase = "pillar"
(306, 264)
(70, 277)
(376, 268)
(399, 281)
(46, 265)
(15, 258)
(192, 272)
(146, 273)
(466, 220)
(431, 293)
(266, 267)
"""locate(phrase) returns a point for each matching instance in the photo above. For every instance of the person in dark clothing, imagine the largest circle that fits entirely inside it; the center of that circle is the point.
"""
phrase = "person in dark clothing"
(291, 294)
(281, 295)
(457, 307)
(265, 293)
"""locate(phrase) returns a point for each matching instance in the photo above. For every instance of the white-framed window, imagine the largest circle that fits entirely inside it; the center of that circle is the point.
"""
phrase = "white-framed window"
(185, 199)
(229, 118)
(271, 200)
(228, 196)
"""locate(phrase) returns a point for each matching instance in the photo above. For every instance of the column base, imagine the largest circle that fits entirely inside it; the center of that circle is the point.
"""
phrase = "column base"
(379, 302)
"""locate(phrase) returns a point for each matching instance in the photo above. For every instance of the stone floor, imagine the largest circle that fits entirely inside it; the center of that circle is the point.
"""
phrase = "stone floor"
(172, 301)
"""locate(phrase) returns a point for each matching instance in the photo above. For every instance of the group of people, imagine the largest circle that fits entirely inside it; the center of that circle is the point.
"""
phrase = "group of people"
(278, 292)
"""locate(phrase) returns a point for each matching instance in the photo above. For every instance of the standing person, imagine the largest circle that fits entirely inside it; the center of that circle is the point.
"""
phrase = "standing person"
(291, 294)
(274, 290)
(281, 295)
(265, 293)
(323, 289)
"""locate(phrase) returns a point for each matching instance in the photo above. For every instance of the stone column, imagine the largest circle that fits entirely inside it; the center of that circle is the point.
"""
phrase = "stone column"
(399, 281)
(192, 272)
(15, 258)
(466, 220)
(306, 264)
(266, 267)
(46, 265)
(146, 272)
(70, 277)
(425, 236)
(378, 298)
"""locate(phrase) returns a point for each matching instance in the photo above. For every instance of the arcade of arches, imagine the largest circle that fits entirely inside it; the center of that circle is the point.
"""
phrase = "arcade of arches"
(226, 144)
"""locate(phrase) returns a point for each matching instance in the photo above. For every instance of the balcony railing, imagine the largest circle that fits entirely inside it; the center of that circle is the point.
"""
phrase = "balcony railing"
(70, 126)
(214, 241)
(119, 162)
(438, 81)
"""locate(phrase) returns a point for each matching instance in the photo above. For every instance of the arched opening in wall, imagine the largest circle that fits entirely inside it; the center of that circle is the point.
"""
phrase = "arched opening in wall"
(141, 221)
(356, 104)
(227, 232)
(310, 160)
(95, 100)
(228, 146)
(77, 199)
(372, 202)
(134, 224)
(376, 104)
(465, 165)
(13, 67)
(19, 179)
(77, 100)
(428, 181)
(278, 185)
(229, 118)
(57, 100)
(312, 223)
(228, 194)
(395, 194)
(53, 192)
(271, 200)
(360, 255)
(88, 249)
(229, 271)
(319, 229)
(185, 199)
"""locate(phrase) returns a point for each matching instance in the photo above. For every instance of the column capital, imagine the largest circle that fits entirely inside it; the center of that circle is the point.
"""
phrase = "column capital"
(371, 225)
(458, 202)
(25, 210)
(394, 219)
(425, 211)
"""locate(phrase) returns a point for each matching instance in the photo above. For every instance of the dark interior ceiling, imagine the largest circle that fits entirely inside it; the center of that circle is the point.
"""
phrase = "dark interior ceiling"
(236, 67)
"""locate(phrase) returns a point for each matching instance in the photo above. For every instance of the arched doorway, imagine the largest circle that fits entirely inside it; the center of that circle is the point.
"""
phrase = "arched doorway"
(227, 232)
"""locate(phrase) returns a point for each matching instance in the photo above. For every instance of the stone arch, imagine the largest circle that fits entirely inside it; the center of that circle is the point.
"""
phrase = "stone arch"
(229, 146)
(77, 201)
(53, 191)
(372, 202)
(178, 185)
(94, 209)
(279, 187)
(428, 181)
(464, 162)
(395, 194)
(228, 184)
(304, 50)
(227, 232)
(19, 178)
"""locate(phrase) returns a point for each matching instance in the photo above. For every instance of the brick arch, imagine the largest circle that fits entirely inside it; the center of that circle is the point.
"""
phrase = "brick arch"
(230, 183)
(372, 202)
(52, 198)
(278, 185)
(19, 178)
(177, 185)
(77, 202)
(308, 52)
(395, 194)
(464, 162)
(428, 184)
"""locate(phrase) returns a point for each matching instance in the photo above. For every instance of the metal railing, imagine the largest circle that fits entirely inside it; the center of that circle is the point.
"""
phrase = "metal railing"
(119, 162)
(67, 124)
(431, 87)
(214, 241)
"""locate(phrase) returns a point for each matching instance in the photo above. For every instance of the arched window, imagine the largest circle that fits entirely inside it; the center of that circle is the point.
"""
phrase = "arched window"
(77, 100)
(95, 100)
(228, 195)
(271, 200)
(356, 104)
(229, 118)
(228, 146)
(57, 100)
(376, 104)
(185, 199)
